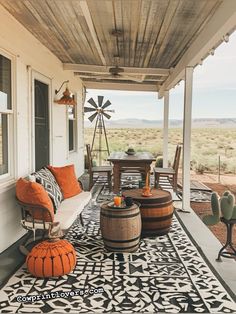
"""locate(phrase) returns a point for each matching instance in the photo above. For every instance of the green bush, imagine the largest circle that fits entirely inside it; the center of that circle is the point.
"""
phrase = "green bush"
(200, 168)
(159, 162)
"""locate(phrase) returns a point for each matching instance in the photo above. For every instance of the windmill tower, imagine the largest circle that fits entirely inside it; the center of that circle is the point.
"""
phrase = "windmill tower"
(99, 114)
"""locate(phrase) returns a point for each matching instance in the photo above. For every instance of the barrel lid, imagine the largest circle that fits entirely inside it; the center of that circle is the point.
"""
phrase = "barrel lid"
(109, 205)
(158, 196)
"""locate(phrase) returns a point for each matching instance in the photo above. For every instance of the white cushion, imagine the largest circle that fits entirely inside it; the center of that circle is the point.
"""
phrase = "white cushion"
(38, 224)
(70, 208)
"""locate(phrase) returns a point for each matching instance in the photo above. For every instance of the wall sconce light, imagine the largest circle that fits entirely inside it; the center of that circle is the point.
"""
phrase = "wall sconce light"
(67, 98)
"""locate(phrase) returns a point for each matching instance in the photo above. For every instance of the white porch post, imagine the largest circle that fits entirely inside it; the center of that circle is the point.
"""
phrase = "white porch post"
(187, 136)
(165, 129)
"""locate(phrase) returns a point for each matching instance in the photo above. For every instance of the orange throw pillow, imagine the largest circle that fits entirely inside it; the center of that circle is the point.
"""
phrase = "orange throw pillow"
(66, 180)
(33, 193)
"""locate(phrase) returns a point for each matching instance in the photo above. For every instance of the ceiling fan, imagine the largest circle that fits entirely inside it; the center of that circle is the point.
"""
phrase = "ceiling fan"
(118, 72)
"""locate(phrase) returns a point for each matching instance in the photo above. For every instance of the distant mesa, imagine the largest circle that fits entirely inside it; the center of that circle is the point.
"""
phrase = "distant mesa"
(142, 123)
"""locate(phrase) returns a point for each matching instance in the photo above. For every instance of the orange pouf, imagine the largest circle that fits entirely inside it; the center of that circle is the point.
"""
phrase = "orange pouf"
(51, 259)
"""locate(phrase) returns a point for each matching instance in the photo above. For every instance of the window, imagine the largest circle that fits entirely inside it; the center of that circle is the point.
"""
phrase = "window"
(72, 128)
(5, 112)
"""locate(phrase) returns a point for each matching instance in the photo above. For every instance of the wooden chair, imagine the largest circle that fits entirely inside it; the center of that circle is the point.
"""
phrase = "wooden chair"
(98, 170)
(171, 173)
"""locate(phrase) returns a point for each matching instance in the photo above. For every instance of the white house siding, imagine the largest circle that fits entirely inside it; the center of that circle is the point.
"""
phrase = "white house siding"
(30, 57)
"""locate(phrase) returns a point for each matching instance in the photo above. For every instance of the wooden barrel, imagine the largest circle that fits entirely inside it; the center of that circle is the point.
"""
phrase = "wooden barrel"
(156, 210)
(120, 228)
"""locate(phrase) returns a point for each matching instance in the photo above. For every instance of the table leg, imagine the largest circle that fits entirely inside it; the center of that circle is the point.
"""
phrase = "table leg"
(147, 169)
(116, 174)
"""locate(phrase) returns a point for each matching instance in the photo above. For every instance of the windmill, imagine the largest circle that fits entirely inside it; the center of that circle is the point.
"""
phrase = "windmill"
(99, 114)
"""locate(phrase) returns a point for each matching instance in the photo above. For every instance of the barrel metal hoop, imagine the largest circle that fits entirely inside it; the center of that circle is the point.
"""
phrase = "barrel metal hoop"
(121, 248)
(119, 216)
(121, 241)
(156, 205)
(153, 219)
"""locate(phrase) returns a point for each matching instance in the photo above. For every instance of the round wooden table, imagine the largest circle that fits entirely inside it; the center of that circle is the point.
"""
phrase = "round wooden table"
(156, 210)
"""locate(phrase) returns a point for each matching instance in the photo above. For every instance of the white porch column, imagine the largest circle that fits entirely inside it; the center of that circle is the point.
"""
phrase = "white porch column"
(187, 136)
(165, 129)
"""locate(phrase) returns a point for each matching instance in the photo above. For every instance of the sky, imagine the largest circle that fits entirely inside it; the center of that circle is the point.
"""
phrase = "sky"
(214, 92)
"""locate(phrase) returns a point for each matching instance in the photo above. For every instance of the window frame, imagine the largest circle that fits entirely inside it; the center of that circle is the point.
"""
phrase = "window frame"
(74, 129)
(11, 136)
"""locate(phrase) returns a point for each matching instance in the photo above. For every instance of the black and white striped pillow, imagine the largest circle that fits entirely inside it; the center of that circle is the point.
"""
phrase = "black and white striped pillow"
(48, 181)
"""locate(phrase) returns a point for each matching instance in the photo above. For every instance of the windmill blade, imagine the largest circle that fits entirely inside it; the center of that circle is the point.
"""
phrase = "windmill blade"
(93, 116)
(108, 110)
(88, 109)
(92, 102)
(107, 104)
(106, 115)
(100, 100)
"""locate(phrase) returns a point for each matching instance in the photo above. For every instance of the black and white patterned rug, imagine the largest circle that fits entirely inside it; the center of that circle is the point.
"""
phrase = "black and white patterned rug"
(166, 275)
(131, 181)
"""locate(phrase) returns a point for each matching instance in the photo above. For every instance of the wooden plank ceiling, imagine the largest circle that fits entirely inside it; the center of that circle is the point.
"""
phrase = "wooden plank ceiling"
(146, 38)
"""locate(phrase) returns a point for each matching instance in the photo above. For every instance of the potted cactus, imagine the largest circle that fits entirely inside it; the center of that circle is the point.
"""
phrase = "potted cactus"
(224, 207)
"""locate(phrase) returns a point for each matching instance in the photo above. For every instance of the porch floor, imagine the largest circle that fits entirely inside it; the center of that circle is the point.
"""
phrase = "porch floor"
(165, 275)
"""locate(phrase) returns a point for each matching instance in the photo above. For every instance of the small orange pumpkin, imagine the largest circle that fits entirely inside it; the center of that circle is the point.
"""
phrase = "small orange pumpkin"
(51, 259)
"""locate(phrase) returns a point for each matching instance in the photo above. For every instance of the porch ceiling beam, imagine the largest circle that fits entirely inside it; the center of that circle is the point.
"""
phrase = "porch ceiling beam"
(89, 21)
(222, 23)
(121, 86)
(105, 69)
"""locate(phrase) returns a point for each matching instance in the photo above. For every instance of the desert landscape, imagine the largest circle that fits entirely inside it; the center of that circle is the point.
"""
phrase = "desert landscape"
(213, 154)
(208, 144)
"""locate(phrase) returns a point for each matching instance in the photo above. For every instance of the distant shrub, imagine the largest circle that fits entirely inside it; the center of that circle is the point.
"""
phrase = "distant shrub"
(200, 168)
(159, 162)
(193, 164)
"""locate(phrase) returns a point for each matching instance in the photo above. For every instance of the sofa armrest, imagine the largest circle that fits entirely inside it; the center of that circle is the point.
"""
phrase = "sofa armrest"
(35, 213)
(81, 184)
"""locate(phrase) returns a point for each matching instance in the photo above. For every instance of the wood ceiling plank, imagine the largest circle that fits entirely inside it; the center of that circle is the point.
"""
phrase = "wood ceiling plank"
(66, 33)
(127, 15)
(205, 11)
(104, 27)
(119, 25)
(143, 19)
(133, 30)
(185, 22)
(156, 16)
(223, 22)
(88, 18)
(48, 29)
(79, 30)
(166, 22)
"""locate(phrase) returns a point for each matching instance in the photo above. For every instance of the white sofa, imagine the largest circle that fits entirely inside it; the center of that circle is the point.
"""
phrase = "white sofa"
(70, 208)
(66, 214)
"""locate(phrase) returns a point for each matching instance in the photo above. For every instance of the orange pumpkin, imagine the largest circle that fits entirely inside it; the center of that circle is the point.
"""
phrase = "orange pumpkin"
(51, 259)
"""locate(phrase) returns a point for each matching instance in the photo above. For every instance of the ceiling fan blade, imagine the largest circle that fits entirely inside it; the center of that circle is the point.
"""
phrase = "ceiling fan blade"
(88, 109)
(92, 117)
(132, 78)
(100, 100)
(106, 115)
(107, 104)
(92, 102)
